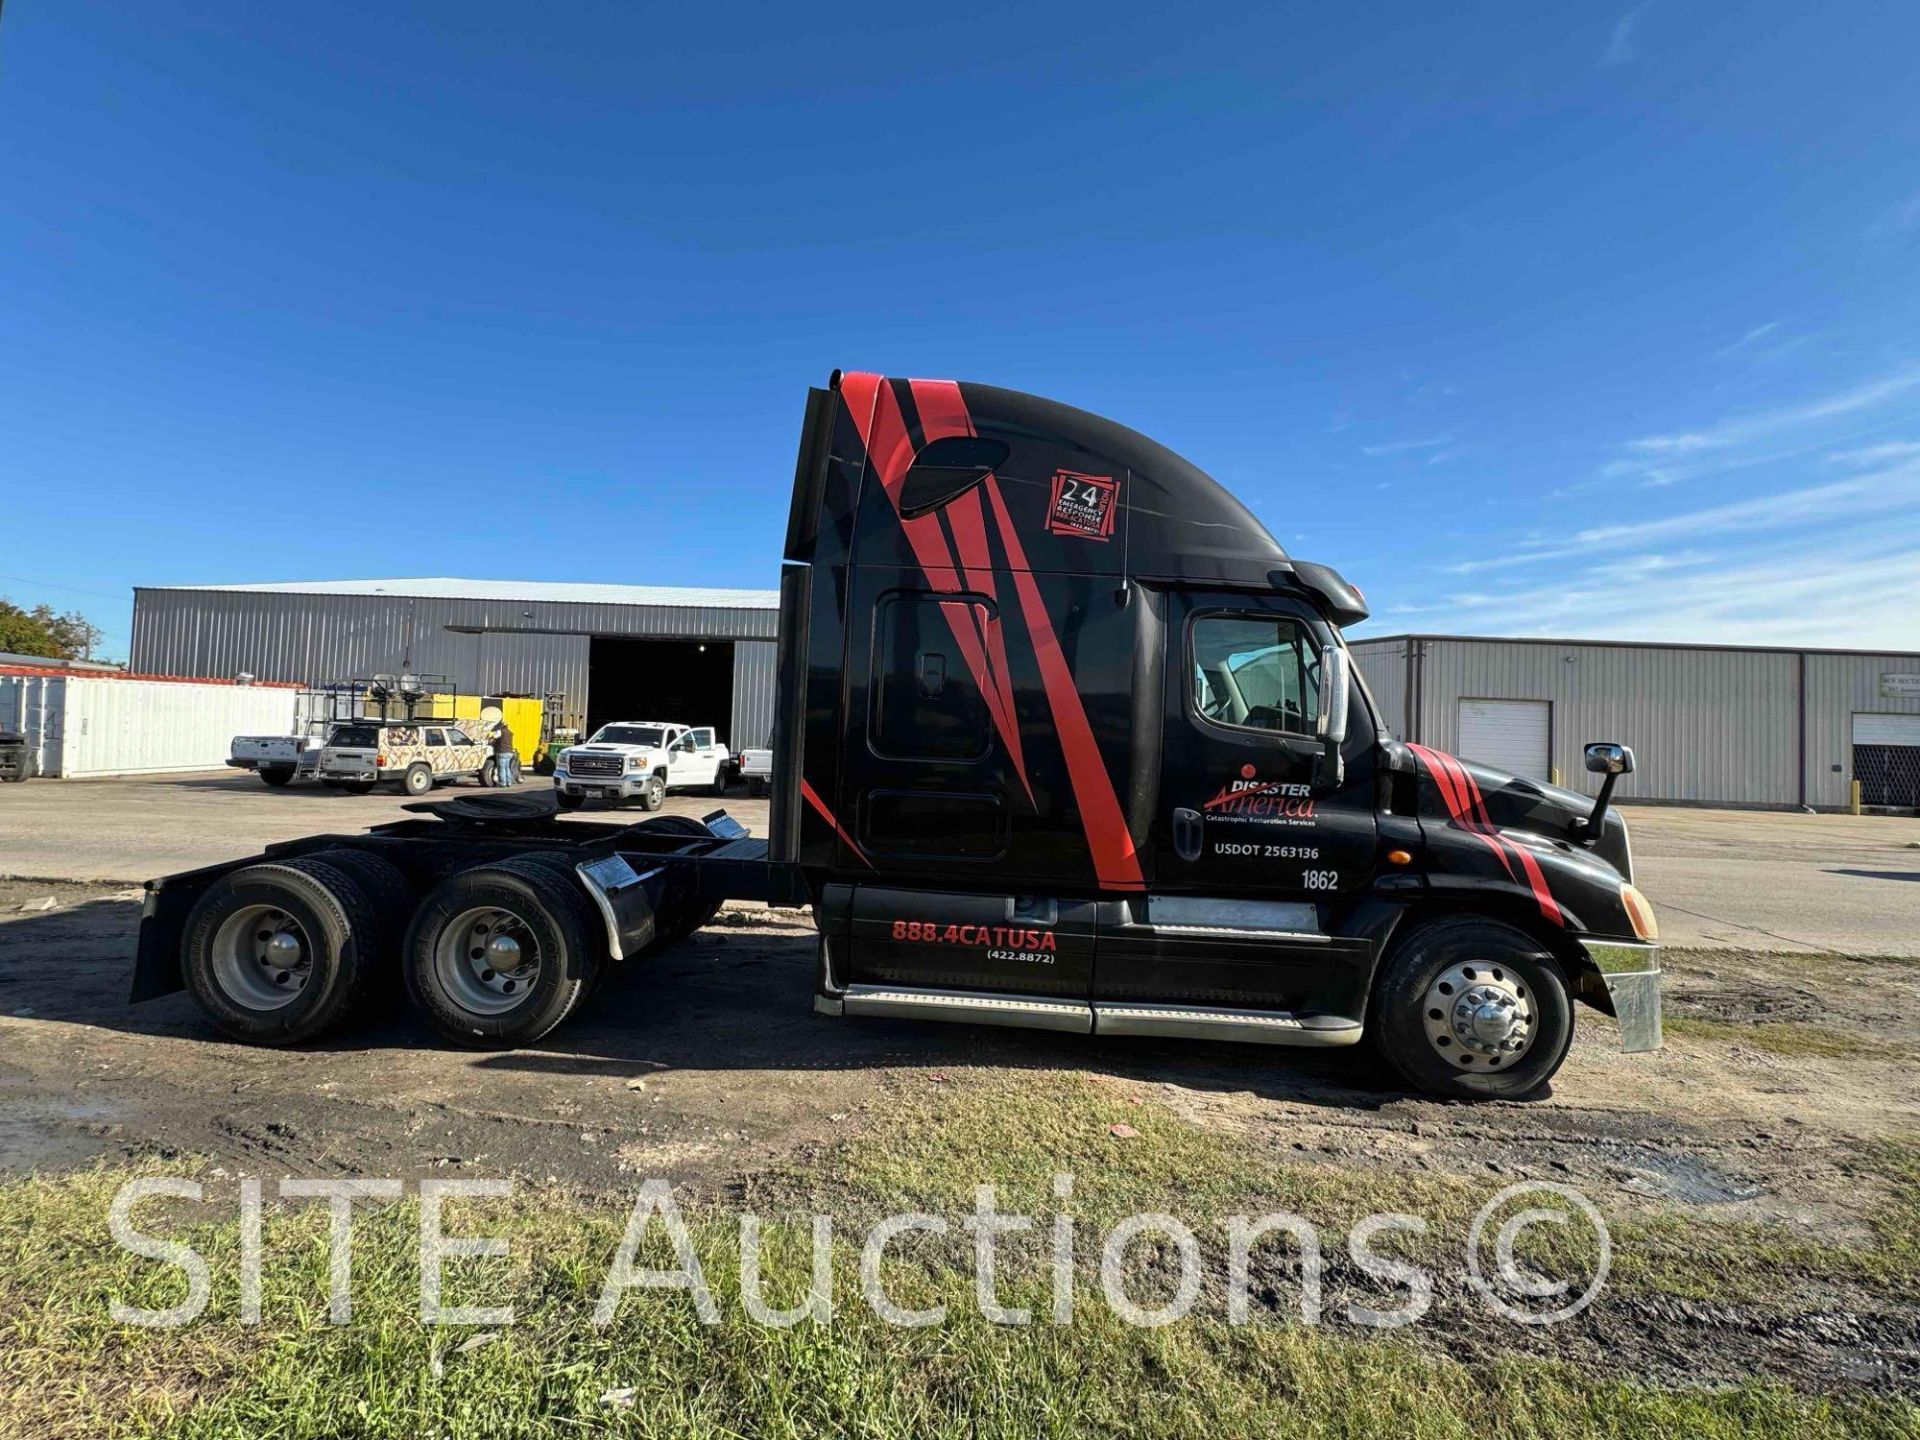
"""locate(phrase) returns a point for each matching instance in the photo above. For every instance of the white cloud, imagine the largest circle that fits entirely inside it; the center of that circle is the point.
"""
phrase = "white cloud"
(1739, 430)
(1622, 47)
(1856, 590)
(1395, 447)
(1748, 341)
(1876, 454)
(1896, 490)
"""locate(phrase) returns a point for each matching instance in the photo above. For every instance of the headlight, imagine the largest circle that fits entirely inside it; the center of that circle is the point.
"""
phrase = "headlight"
(1640, 913)
(634, 762)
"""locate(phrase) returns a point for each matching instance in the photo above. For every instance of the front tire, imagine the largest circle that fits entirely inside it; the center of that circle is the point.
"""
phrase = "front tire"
(567, 801)
(1472, 1009)
(499, 955)
(655, 795)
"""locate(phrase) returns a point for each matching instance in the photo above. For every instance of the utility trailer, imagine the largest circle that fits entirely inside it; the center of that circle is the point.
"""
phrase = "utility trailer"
(1064, 740)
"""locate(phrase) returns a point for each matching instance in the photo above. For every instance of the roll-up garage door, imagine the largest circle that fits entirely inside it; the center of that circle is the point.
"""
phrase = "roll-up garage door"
(1886, 759)
(1509, 735)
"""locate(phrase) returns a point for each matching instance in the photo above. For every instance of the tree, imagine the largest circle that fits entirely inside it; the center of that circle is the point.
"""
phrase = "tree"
(40, 631)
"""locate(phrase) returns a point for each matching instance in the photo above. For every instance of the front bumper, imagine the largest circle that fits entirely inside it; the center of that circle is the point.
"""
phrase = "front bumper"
(609, 787)
(1631, 972)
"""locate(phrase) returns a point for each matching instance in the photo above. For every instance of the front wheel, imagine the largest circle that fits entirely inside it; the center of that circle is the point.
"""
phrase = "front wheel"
(1473, 1009)
(655, 795)
(566, 800)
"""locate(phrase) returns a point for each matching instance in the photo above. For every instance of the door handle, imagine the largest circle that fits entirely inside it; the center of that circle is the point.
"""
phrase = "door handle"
(1188, 833)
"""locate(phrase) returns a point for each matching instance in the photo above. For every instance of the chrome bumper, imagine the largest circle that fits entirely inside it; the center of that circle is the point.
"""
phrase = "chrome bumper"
(1631, 972)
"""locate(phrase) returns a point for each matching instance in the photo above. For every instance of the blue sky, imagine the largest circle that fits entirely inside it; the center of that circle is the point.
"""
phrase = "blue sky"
(1531, 318)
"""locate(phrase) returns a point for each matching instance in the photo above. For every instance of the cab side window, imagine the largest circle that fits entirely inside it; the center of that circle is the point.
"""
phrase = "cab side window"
(457, 737)
(1255, 672)
(435, 737)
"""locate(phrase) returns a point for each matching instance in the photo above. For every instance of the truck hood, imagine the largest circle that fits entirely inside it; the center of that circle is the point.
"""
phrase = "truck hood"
(1526, 807)
(608, 749)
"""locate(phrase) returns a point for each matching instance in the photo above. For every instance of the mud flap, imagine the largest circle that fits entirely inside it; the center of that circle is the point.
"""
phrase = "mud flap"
(625, 899)
(1631, 973)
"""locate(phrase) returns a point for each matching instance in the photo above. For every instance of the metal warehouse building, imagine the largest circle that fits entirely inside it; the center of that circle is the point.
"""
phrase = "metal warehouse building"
(1709, 724)
(705, 657)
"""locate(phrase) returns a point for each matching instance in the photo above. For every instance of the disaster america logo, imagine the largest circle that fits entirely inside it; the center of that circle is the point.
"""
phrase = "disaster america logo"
(1273, 802)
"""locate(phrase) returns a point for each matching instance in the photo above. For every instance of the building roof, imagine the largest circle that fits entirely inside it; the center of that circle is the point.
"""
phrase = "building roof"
(64, 673)
(557, 591)
(1402, 635)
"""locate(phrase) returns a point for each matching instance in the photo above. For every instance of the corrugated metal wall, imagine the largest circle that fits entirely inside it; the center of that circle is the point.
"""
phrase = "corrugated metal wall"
(1383, 665)
(1706, 725)
(485, 645)
(149, 727)
(753, 678)
(1710, 725)
(1839, 687)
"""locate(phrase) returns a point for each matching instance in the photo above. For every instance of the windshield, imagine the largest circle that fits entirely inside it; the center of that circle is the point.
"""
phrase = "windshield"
(363, 735)
(628, 735)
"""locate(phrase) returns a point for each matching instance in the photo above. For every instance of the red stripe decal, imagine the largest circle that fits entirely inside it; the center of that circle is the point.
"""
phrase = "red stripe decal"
(1467, 809)
(970, 539)
(1536, 878)
(1115, 860)
(890, 452)
(814, 800)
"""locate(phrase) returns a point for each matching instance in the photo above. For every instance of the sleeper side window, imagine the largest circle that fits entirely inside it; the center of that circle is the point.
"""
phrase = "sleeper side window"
(1255, 672)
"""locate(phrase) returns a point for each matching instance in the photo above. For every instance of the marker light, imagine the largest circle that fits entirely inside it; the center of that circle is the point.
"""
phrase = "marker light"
(1640, 913)
(1399, 857)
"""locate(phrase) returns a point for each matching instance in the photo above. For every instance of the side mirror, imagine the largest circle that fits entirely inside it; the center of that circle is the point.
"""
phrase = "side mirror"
(1607, 759)
(1335, 674)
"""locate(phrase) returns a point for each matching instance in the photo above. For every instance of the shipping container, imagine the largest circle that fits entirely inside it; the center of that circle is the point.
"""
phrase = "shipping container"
(90, 726)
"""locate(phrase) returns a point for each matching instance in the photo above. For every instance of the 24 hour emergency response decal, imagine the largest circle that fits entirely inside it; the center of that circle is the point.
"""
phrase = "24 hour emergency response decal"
(1001, 942)
(1083, 505)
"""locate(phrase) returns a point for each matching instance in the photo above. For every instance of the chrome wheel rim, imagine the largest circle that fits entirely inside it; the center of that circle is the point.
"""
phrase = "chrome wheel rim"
(487, 960)
(262, 957)
(1479, 1016)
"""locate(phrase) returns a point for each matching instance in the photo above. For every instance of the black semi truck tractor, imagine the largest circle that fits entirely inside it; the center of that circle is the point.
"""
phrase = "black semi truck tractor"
(1065, 740)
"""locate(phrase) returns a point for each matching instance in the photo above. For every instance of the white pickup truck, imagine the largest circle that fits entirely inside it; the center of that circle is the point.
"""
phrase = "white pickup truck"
(277, 759)
(756, 768)
(642, 759)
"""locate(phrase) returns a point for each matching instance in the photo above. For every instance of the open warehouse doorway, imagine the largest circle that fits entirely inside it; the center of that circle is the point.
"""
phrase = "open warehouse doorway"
(682, 681)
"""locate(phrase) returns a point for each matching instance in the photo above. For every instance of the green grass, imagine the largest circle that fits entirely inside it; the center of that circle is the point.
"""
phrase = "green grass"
(67, 1369)
(1795, 1039)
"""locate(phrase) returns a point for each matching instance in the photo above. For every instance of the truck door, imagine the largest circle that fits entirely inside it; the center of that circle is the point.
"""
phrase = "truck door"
(706, 752)
(1241, 812)
(1253, 848)
(683, 763)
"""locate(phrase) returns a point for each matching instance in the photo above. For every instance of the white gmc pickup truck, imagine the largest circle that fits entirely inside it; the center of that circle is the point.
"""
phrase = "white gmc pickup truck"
(641, 759)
